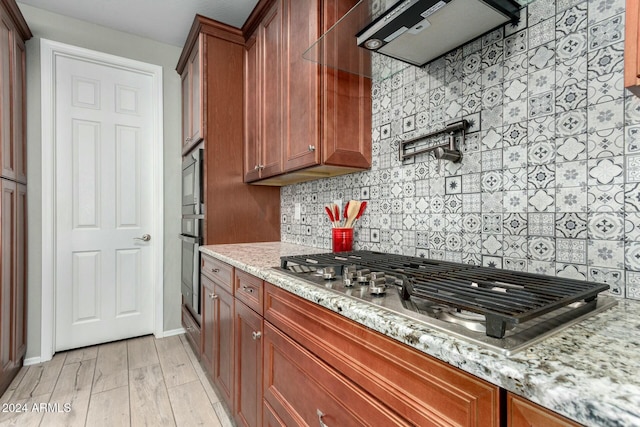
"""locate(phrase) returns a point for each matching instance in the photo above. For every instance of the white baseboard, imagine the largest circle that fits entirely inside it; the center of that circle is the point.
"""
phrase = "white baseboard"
(32, 361)
(172, 332)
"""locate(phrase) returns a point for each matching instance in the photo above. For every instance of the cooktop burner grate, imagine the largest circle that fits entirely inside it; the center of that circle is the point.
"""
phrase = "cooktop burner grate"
(503, 297)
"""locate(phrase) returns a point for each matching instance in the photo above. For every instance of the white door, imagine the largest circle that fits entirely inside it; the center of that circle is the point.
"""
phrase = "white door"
(103, 198)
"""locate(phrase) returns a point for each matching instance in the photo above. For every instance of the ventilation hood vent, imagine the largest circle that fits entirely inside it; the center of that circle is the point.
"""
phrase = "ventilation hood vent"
(413, 31)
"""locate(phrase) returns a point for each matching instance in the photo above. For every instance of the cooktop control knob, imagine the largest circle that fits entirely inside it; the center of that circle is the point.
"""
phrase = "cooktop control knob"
(349, 275)
(363, 276)
(329, 273)
(377, 286)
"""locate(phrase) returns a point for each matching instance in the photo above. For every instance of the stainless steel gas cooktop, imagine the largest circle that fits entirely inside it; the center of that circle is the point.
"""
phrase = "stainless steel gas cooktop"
(501, 310)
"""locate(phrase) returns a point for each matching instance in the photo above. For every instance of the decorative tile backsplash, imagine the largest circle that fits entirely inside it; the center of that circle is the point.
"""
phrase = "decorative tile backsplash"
(549, 181)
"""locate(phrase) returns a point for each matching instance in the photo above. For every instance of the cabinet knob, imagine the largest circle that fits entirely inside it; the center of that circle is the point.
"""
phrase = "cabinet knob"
(189, 328)
(257, 167)
(312, 148)
(187, 139)
(260, 167)
(213, 296)
(320, 415)
(256, 335)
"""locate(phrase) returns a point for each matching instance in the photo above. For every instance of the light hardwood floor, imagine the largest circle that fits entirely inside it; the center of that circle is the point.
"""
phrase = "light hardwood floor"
(138, 382)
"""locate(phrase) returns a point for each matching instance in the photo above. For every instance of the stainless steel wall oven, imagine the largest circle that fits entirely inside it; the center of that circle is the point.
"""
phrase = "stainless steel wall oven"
(191, 229)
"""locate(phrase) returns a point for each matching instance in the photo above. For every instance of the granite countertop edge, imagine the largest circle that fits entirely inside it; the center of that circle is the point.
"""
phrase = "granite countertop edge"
(588, 372)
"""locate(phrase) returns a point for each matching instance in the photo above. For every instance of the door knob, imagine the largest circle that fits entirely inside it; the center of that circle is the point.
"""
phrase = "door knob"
(144, 238)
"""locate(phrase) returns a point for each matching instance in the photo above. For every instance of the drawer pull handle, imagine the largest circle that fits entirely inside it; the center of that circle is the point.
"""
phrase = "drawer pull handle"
(189, 328)
(247, 289)
(320, 415)
(215, 270)
(213, 296)
(256, 335)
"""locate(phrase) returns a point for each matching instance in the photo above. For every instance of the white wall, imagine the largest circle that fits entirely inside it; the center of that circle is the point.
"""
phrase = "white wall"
(62, 29)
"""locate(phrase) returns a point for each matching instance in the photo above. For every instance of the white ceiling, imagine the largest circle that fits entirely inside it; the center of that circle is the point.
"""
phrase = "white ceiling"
(166, 21)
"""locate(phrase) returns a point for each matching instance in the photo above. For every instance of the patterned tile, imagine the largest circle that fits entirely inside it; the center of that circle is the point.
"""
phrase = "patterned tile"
(491, 261)
(612, 277)
(605, 253)
(516, 44)
(571, 271)
(633, 168)
(571, 148)
(571, 225)
(515, 201)
(515, 134)
(571, 174)
(515, 246)
(606, 171)
(632, 256)
(453, 185)
(605, 226)
(571, 20)
(542, 248)
(541, 177)
(515, 264)
(606, 143)
(541, 152)
(571, 250)
(541, 224)
(515, 224)
(515, 178)
(541, 200)
(608, 198)
(606, 32)
(632, 227)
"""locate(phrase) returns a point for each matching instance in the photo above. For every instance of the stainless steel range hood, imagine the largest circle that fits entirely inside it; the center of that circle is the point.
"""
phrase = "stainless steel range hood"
(413, 31)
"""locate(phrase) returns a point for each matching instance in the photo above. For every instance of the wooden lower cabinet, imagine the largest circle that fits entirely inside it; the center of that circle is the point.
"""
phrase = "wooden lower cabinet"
(290, 362)
(218, 337)
(523, 413)
(424, 390)
(299, 389)
(248, 386)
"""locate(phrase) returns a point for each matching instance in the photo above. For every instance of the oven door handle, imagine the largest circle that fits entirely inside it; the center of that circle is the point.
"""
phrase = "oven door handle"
(189, 239)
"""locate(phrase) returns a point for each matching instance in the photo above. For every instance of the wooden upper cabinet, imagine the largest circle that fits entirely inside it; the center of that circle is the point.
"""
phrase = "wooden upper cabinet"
(7, 148)
(314, 121)
(192, 99)
(632, 47)
(19, 135)
(302, 88)
(263, 102)
(523, 413)
(252, 98)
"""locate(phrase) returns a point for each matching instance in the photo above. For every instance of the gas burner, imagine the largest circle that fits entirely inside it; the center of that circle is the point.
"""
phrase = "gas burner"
(499, 309)
(470, 320)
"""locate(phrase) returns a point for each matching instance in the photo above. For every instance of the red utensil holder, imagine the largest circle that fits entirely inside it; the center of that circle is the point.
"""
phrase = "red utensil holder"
(342, 239)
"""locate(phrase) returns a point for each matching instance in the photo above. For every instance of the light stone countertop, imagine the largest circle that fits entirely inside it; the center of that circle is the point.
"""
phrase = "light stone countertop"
(589, 372)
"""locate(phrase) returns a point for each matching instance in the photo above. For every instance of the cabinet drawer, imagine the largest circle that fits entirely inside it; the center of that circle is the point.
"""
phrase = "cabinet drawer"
(522, 413)
(218, 271)
(192, 330)
(249, 289)
(424, 390)
(299, 387)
